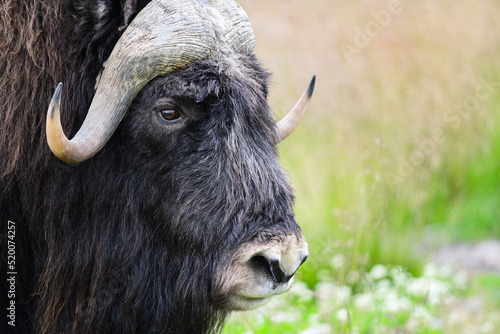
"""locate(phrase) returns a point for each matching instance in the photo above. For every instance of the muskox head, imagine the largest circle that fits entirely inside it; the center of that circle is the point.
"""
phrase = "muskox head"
(183, 102)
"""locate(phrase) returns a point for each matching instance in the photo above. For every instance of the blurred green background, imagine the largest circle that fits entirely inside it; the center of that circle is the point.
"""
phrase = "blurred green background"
(401, 144)
(400, 150)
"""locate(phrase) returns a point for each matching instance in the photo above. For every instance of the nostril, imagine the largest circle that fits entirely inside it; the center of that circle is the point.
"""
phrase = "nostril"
(260, 263)
(279, 275)
(271, 267)
(303, 259)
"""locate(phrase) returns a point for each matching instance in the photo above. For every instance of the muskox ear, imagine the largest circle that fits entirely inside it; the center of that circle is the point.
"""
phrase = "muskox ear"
(91, 15)
(129, 9)
(88, 13)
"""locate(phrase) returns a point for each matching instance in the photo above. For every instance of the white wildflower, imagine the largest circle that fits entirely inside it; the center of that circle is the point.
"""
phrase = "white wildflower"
(331, 292)
(433, 289)
(342, 315)
(400, 277)
(318, 329)
(431, 270)
(383, 287)
(364, 302)
(338, 261)
(352, 276)
(378, 272)
(420, 318)
(258, 316)
(422, 314)
(301, 291)
(277, 303)
(285, 317)
(392, 303)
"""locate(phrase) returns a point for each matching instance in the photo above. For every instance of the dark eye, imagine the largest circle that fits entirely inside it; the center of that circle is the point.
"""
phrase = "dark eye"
(170, 115)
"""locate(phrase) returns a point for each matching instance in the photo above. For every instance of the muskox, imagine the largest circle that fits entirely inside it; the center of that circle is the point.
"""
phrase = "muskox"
(167, 208)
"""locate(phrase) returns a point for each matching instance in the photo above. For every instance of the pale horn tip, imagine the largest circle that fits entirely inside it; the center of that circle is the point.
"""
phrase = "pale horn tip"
(56, 139)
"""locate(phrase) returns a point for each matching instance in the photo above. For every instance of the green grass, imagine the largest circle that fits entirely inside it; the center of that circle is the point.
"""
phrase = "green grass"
(489, 284)
(346, 206)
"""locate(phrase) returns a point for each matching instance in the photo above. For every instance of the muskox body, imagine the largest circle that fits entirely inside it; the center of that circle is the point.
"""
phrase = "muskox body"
(158, 231)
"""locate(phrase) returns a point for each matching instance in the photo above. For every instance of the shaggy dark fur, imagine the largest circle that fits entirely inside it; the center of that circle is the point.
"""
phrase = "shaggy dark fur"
(128, 241)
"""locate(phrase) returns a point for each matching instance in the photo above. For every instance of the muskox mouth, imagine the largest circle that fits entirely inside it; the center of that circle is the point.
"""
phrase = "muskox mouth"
(260, 272)
(250, 302)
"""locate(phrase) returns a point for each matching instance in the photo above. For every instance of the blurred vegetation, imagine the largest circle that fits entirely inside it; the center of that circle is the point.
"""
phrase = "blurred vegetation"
(384, 300)
(400, 150)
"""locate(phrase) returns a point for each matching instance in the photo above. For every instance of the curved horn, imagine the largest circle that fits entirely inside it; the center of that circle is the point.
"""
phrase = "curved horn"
(239, 32)
(164, 36)
(293, 118)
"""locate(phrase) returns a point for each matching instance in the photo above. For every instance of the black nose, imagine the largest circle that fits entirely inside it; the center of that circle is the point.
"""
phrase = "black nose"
(272, 267)
(279, 261)
(277, 272)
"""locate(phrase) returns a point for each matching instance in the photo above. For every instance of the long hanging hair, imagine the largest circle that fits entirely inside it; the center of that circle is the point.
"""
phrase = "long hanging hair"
(92, 258)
